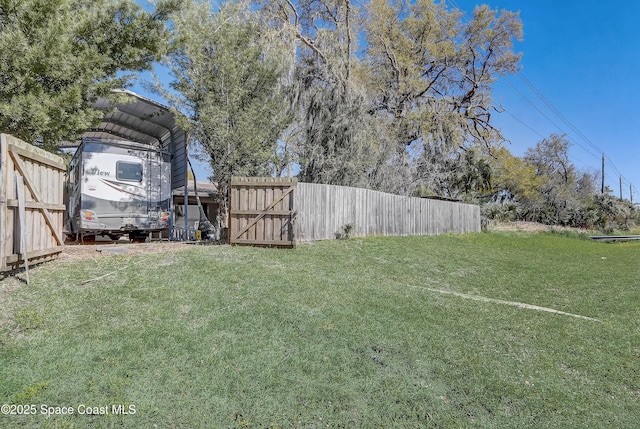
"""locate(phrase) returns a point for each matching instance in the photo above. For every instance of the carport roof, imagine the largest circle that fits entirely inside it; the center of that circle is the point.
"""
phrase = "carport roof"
(143, 120)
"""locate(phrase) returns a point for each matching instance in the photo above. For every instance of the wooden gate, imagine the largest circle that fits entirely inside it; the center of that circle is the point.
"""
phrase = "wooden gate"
(261, 211)
(31, 204)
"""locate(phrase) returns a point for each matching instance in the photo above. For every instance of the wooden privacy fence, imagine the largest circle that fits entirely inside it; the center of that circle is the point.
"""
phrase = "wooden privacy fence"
(31, 204)
(281, 212)
(261, 211)
(323, 211)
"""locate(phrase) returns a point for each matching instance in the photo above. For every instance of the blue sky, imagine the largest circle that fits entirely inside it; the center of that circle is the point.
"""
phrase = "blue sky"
(583, 58)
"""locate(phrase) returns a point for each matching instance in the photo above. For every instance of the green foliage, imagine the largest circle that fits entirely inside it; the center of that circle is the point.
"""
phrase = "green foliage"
(334, 136)
(544, 186)
(559, 196)
(227, 72)
(500, 211)
(58, 56)
(347, 230)
(609, 213)
(465, 175)
(515, 176)
(432, 73)
(385, 114)
(578, 235)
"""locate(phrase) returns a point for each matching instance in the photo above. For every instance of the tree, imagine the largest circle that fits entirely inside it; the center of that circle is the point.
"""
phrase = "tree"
(515, 188)
(544, 186)
(550, 158)
(433, 74)
(515, 178)
(335, 140)
(608, 213)
(58, 56)
(465, 175)
(338, 145)
(228, 81)
(384, 114)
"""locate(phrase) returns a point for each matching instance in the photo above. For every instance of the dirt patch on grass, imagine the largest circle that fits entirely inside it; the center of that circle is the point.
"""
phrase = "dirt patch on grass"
(11, 281)
(530, 227)
(8, 285)
(84, 251)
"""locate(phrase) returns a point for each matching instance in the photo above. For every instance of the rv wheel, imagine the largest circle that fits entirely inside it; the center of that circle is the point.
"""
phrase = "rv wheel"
(137, 237)
(87, 238)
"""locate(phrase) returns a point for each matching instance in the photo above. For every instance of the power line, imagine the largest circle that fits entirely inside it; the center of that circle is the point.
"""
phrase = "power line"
(524, 123)
(544, 99)
(575, 159)
(550, 105)
(537, 92)
(547, 117)
(613, 166)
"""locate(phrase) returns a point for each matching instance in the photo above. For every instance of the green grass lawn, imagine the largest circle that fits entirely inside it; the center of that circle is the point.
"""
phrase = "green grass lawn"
(340, 334)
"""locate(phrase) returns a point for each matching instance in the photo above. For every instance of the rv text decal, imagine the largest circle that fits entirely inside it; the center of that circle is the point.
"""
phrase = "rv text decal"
(95, 171)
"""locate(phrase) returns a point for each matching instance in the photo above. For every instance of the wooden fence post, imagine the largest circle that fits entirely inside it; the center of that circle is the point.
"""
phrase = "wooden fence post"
(24, 251)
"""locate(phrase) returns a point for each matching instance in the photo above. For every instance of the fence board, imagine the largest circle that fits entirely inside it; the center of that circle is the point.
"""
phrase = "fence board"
(43, 174)
(22, 221)
(323, 210)
(261, 211)
(260, 215)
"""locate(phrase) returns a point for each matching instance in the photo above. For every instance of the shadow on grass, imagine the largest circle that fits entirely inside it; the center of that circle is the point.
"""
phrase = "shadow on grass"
(13, 274)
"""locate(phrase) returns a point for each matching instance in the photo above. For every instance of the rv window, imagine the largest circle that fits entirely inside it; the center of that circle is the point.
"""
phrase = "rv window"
(129, 171)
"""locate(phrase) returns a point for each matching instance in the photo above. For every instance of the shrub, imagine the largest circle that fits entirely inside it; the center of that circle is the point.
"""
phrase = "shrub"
(347, 230)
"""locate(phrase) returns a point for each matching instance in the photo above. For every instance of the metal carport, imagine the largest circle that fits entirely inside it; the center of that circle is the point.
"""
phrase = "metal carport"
(143, 120)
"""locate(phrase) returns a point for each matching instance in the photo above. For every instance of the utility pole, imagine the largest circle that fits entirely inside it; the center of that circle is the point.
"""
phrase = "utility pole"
(620, 188)
(602, 186)
(631, 193)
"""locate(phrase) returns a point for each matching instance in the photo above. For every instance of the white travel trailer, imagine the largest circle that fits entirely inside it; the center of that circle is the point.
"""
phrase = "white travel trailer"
(118, 187)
